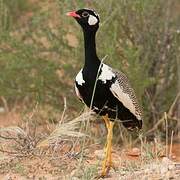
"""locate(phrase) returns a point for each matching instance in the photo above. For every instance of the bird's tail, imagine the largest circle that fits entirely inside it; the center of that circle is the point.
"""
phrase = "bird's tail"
(132, 124)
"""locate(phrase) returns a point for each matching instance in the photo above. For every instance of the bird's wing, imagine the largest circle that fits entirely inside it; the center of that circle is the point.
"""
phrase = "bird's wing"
(79, 81)
(122, 90)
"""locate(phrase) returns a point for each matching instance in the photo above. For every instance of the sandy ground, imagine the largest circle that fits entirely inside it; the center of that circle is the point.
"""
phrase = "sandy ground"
(51, 164)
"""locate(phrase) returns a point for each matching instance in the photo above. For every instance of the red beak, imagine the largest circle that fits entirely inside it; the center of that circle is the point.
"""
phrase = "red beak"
(73, 14)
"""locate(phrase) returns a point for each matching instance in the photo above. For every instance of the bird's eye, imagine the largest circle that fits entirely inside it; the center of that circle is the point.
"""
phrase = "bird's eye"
(85, 14)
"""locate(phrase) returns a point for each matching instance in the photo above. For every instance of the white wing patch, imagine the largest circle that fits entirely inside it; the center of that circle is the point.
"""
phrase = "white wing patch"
(123, 98)
(92, 20)
(79, 78)
(106, 73)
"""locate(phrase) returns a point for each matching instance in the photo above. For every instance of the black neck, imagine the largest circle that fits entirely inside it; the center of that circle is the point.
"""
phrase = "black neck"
(91, 59)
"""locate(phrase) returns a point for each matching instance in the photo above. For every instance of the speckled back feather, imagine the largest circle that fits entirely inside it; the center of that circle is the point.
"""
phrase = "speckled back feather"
(126, 88)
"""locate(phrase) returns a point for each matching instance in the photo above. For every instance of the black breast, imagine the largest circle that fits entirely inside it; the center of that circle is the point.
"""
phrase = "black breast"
(102, 101)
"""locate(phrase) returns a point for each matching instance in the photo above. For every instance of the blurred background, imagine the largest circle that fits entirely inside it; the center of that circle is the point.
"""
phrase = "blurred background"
(41, 51)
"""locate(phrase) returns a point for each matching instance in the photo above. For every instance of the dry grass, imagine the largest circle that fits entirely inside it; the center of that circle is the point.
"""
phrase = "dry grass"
(66, 130)
(67, 149)
(45, 144)
(63, 154)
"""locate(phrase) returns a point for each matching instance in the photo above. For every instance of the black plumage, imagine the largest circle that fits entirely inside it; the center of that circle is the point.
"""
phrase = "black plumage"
(104, 100)
(105, 90)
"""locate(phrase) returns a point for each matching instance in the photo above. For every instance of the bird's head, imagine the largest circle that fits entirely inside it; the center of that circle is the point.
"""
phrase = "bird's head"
(87, 18)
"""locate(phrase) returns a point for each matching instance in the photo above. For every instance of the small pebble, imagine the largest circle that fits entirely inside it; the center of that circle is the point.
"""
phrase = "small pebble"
(166, 160)
(171, 167)
(136, 150)
(99, 154)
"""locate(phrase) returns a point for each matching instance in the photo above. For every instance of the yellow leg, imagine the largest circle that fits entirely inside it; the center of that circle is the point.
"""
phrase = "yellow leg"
(107, 163)
(106, 120)
(110, 164)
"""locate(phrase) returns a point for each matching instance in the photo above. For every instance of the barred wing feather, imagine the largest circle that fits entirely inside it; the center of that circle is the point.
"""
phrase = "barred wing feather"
(122, 90)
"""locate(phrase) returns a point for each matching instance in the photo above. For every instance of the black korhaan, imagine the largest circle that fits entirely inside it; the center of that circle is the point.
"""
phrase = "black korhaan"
(113, 98)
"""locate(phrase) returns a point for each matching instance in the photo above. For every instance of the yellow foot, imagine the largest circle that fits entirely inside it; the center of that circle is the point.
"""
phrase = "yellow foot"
(102, 176)
(106, 168)
(111, 165)
(105, 171)
(107, 163)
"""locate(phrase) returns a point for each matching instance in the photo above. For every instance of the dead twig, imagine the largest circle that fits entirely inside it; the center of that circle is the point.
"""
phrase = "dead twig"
(8, 152)
(4, 103)
(165, 115)
(169, 115)
(64, 110)
(155, 126)
(173, 105)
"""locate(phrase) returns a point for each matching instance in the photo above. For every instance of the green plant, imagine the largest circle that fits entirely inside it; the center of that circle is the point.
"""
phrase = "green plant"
(41, 54)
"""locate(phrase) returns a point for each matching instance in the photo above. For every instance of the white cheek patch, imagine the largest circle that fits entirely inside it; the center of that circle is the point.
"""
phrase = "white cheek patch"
(92, 20)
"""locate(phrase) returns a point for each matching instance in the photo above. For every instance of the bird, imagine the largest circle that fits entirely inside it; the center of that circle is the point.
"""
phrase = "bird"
(105, 90)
